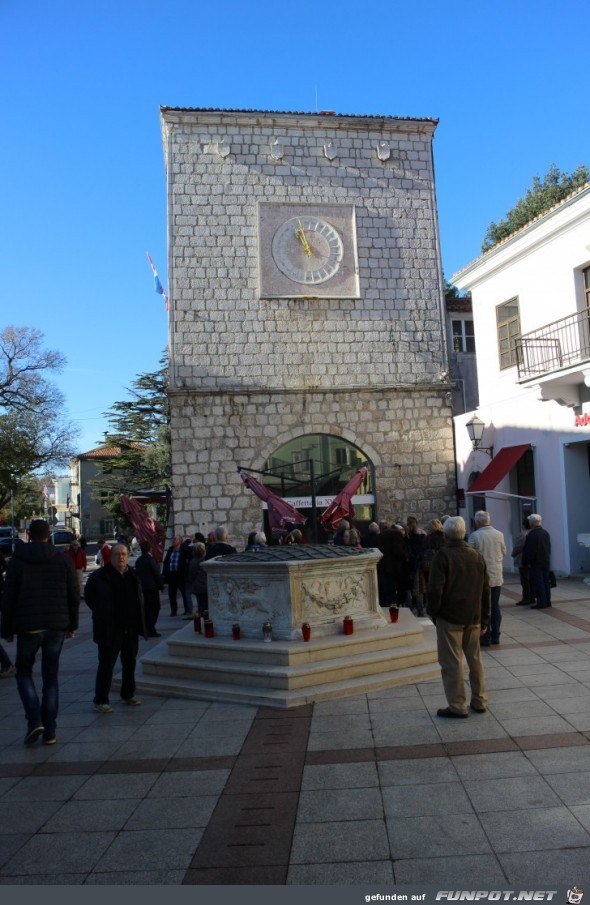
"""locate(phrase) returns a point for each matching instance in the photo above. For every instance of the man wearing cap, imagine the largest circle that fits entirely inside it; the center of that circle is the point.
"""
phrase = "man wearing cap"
(537, 556)
(459, 606)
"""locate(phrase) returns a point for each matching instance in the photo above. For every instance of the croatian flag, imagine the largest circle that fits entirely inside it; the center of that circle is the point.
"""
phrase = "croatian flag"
(157, 285)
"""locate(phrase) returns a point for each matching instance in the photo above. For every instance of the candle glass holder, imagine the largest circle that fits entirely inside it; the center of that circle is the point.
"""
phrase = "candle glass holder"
(306, 631)
(348, 625)
(235, 632)
(197, 622)
(267, 631)
(393, 612)
(209, 630)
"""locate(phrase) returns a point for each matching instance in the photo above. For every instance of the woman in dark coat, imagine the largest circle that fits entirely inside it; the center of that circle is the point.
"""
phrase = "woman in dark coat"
(415, 540)
(151, 582)
(432, 544)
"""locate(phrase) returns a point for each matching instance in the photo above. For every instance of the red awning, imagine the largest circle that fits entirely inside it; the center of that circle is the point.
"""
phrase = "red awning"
(498, 468)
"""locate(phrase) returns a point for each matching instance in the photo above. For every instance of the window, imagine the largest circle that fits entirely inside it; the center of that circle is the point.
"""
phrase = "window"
(335, 460)
(508, 325)
(463, 336)
(586, 274)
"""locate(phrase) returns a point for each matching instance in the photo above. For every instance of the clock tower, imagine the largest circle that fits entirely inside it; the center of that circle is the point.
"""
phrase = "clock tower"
(306, 313)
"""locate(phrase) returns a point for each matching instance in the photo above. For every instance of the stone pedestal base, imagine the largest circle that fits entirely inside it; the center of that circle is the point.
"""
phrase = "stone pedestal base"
(291, 673)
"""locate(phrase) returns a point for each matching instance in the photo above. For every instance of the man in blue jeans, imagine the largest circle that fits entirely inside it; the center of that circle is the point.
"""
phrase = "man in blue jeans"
(490, 543)
(40, 606)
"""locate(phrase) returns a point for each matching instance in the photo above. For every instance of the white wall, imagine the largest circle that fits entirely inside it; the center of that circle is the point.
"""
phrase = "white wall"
(541, 266)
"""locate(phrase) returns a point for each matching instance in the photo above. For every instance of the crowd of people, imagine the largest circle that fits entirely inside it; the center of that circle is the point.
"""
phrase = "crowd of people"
(433, 570)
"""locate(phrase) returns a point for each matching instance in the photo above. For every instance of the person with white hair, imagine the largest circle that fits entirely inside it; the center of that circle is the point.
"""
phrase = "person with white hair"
(459, 606)
(537, 556)
(490, 543)
(259, 543)
(222, 546)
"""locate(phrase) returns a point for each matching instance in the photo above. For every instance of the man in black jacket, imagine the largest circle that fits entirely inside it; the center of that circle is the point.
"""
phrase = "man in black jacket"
(114, 595)
(221, 547)
(40, 606)
(536, 555)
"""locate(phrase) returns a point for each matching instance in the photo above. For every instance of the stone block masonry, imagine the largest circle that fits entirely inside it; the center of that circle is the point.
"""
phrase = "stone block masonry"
(213, 434)
(363, 356)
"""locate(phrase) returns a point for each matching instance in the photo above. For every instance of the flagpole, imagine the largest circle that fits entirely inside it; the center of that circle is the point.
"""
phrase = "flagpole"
(313, 501)
(157, 284)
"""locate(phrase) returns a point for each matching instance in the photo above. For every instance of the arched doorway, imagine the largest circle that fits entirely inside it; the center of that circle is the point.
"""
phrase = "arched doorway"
(319, 465)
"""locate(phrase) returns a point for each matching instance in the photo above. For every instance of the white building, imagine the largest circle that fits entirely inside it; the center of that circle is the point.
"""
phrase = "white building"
(531, 308)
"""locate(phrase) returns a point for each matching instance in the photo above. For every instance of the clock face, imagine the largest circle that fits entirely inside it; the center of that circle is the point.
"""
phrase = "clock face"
(307, 250)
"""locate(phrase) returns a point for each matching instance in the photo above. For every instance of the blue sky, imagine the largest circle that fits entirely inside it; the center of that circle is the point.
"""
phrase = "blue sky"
(83, 188)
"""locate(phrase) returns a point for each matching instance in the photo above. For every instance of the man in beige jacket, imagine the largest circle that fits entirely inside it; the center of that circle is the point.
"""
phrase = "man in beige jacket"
(490, 543)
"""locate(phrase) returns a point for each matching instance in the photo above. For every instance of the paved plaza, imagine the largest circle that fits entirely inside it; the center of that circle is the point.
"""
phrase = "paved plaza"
(372, 789)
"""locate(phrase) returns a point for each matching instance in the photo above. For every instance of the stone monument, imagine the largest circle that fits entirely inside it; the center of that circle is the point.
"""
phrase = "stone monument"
(269, 596)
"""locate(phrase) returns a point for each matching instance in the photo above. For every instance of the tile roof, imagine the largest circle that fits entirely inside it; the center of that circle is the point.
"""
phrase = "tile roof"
(417, 119)
(460, 304)
(108, 452)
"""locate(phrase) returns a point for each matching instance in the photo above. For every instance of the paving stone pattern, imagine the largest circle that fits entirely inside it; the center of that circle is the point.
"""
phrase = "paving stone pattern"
(371, 789)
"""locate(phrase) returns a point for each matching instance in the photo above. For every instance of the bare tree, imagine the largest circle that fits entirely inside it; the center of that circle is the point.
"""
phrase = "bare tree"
(24, 365)
(33, 430)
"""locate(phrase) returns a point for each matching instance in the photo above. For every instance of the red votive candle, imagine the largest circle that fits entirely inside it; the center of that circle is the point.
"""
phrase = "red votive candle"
(348, 625)
(306, 631)
(209, 632)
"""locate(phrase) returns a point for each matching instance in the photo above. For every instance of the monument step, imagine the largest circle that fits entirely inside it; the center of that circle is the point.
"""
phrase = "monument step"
(186, 643)
(351, 663)
(283, 698)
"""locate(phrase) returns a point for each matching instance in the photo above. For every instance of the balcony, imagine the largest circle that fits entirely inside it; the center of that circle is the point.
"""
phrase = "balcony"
(562, 345)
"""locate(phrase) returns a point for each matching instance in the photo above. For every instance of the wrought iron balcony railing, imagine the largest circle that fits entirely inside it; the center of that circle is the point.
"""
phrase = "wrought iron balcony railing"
(554, 347)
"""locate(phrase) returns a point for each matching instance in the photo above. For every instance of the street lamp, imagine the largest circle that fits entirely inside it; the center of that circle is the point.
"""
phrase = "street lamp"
(475, 429)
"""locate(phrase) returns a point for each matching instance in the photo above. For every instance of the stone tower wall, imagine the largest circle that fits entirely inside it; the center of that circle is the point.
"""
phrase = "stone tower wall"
(249, 373)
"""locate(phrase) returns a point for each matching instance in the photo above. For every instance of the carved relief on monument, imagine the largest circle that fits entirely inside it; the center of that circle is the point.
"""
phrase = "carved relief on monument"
(238, 598)
(325, 597)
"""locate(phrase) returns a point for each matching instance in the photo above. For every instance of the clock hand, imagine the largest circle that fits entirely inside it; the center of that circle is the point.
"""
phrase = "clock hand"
(300, 233)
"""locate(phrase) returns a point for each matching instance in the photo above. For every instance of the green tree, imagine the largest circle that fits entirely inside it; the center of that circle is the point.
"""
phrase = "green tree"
(34, 433)
(540, 197)
(451, 291)
(140, 418)
(140, 431)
